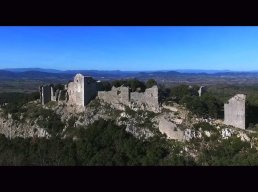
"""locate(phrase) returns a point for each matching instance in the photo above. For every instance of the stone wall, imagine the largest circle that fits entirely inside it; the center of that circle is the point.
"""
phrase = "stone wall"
(78, 92)
(234, 111)
(45, 94)
(201, 90)
(53, 94)
(118, 96)
(147, 100)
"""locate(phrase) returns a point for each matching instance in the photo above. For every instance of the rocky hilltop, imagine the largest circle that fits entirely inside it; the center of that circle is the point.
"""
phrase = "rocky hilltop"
(143, 125)
(173, 120)
(62, 110)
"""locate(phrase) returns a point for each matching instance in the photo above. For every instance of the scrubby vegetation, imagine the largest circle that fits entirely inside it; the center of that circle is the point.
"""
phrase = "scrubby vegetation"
(105, 143)
(206, 106)
(14, 101)
(134, 84)
(229, 152)
(102, 143)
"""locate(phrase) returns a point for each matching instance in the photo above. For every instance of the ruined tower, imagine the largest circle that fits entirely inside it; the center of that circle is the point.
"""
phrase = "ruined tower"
(81, 90)
(45, 94)
(234, 111)
(201, 90)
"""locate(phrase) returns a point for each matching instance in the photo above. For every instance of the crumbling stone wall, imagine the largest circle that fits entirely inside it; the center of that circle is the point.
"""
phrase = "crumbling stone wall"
(59, 95)
(147, 100)
(201, 90)
(45, 94)
(118, 96)
(79, 92)
(53, 94)
(234, 111)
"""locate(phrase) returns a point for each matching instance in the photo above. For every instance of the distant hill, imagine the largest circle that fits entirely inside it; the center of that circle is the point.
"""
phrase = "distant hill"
(42, 74)
(196, 71)
(32, 69)
(28, 80)
(32, 75)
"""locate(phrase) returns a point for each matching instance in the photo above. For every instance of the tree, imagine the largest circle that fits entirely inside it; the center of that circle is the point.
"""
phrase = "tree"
(150, 83)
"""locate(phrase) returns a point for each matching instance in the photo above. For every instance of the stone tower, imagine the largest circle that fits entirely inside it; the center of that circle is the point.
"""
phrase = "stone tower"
(234, 111)
(82, 90)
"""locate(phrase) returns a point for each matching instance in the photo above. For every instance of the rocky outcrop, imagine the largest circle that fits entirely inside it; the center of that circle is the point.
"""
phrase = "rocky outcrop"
(139, 132)
(170, 129)
(12, 129)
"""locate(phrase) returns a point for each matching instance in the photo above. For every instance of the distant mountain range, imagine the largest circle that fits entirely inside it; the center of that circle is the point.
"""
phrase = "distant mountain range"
(195, 71)
(32, 69)
(39, 74)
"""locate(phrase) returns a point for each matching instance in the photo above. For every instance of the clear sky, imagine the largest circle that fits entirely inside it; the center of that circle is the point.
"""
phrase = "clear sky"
(129, 48)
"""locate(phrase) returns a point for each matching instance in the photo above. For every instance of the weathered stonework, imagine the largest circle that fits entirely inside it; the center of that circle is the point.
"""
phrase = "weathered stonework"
(234, 111)
(201, 91)
(77, 93)
(81, 91)
(121, 96)
(53, 94)
(118, 96)
(147, 100)
(45, 94)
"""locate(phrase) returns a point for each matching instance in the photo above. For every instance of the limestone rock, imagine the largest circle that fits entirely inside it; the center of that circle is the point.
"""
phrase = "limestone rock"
(170, 129)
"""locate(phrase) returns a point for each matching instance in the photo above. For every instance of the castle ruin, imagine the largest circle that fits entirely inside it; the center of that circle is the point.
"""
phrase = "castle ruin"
(121, 96)
(149, 99)
(201, 90)
(78, 92)
(118, 96)
(82, 90)
(234, 111)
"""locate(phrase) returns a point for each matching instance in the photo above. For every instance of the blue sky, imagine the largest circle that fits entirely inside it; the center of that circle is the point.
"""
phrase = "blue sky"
(130, 48)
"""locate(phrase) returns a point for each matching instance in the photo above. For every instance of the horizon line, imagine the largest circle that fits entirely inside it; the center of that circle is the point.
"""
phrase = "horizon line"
(235, 70)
